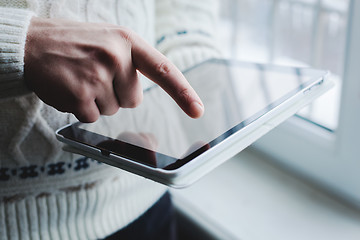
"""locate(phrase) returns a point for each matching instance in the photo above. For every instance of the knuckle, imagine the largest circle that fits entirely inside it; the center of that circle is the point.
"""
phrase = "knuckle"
(86, 116)
(138, 100)
(110, 111)
(133, 102)
(163, 68)
(91, 118)
(127, 34)
(82, 95)
(184, 95)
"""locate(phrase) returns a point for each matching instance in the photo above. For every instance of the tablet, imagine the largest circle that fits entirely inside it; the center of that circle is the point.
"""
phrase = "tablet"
(158, 141)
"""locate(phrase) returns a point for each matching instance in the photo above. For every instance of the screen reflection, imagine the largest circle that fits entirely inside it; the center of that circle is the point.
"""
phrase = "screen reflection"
(159, 134)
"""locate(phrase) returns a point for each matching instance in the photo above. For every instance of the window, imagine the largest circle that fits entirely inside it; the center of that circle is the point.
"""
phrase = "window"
(321, 141)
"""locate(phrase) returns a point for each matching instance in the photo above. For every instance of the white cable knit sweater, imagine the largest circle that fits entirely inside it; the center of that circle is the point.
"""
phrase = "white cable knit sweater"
(46, 193)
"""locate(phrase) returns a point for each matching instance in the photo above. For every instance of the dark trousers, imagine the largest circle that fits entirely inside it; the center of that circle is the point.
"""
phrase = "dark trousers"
(156, 223)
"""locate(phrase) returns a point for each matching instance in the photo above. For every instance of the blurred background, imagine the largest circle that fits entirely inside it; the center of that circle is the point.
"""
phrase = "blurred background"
(301, 180)
(290, 32)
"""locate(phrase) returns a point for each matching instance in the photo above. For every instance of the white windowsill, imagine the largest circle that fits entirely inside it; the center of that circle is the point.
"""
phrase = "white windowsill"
(250, 198)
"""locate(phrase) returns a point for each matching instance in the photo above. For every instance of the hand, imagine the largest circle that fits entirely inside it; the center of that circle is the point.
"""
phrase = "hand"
(90, 69)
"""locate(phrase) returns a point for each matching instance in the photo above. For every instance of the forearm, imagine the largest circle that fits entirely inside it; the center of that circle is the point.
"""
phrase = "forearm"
(13, 29)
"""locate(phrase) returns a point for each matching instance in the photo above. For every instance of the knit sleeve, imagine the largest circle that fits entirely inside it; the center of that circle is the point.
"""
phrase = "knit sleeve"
(13, 28)
(186, 30)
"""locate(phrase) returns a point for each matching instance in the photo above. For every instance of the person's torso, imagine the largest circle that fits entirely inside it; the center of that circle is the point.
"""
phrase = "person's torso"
(28, 146)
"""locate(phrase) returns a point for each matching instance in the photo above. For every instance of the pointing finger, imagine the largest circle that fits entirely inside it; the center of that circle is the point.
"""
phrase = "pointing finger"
(159, 69)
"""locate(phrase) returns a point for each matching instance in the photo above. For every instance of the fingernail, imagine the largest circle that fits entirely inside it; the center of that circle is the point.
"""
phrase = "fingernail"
(197, 109)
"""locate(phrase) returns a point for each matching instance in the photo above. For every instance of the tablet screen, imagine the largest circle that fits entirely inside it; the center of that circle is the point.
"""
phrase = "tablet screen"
(160, 135)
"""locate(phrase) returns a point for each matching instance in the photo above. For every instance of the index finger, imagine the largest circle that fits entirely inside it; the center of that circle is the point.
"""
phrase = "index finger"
(160, 70)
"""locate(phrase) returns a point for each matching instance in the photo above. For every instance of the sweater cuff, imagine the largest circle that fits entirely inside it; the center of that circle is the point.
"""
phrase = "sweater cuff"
(14, 24)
